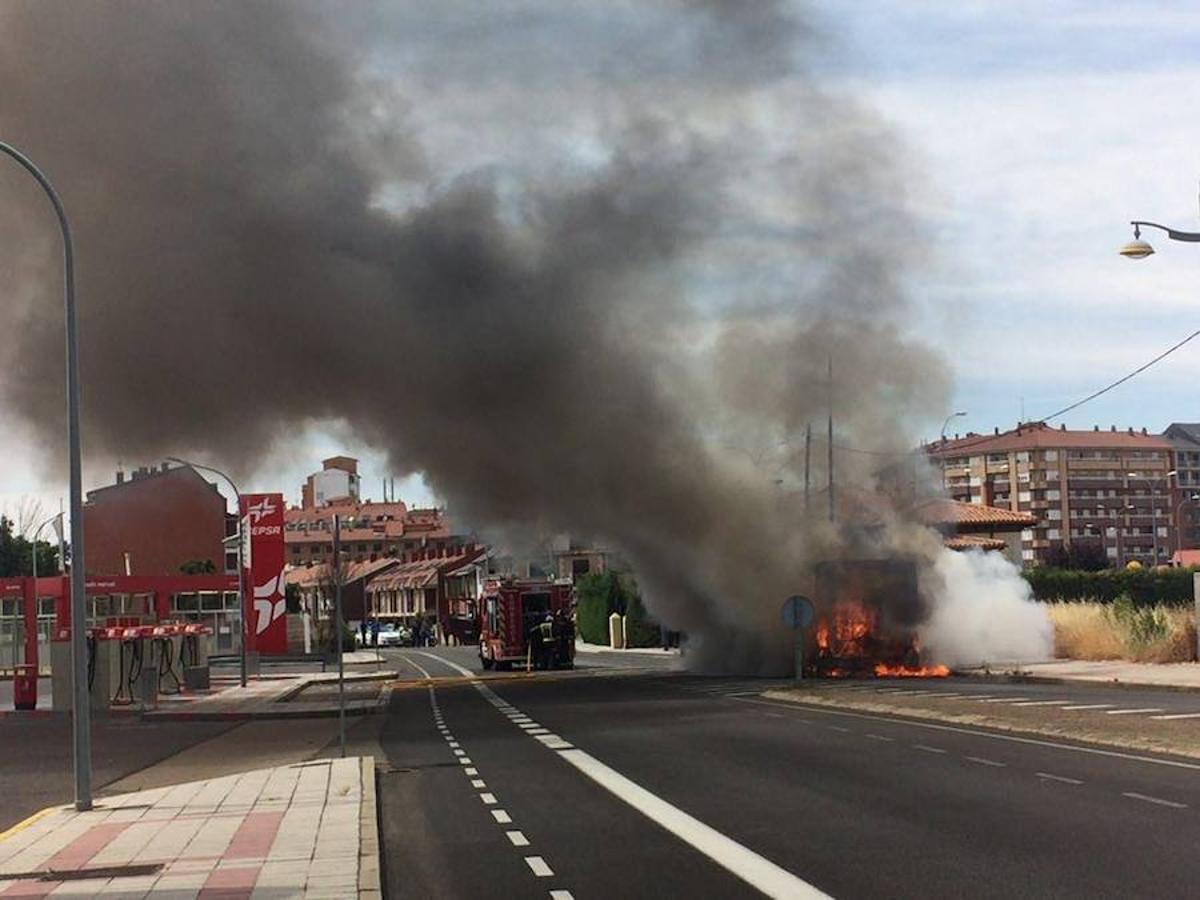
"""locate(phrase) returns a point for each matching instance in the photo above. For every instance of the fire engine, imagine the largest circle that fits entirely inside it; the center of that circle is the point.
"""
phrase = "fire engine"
(511, 617)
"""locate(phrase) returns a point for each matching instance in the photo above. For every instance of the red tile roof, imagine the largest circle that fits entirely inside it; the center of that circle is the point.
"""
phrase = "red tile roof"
(306, 576)
(973, 542)
(1186, 558)
(1036, 435)
(943, 511)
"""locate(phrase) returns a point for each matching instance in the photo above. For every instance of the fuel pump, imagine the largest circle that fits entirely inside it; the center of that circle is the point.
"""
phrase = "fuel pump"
(165, 638)
(129, 669)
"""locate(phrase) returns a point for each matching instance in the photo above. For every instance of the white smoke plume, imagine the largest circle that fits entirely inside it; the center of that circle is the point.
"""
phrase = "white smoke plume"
(982, 612)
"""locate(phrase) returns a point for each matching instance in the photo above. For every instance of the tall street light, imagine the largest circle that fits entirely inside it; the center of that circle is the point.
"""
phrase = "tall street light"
(237, 502)
(1154, 479)
(945, 425)
(81, 718)
(1139, 249)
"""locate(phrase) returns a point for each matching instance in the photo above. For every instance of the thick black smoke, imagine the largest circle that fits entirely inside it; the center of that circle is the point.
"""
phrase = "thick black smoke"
(618, 331)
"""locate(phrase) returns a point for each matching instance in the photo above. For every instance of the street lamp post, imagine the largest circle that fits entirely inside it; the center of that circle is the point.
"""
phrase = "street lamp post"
(241, 549)
(1139, 249)
(1178, 525)
(1166, 479)
(946, 424)
(82, 714)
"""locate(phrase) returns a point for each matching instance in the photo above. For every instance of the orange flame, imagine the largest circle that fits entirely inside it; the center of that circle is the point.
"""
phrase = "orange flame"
(850, 632)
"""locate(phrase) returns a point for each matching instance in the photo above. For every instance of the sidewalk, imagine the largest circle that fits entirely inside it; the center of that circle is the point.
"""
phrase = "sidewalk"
(581, 647)
(306, 830)
(268, 698)
(1176, 676)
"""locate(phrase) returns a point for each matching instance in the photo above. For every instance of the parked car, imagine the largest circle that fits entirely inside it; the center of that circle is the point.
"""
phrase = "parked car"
(393, 636)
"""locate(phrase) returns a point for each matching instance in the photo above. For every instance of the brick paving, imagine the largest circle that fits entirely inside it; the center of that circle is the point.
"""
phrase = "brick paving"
(306, 830)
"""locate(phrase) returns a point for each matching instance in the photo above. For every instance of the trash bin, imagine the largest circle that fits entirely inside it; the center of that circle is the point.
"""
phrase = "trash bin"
(25, 687)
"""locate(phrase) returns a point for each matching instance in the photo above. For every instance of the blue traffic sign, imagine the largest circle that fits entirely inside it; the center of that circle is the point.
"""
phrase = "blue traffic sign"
(797, 612)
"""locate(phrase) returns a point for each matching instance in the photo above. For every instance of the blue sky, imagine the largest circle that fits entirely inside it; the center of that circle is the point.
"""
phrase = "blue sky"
(1040, 130)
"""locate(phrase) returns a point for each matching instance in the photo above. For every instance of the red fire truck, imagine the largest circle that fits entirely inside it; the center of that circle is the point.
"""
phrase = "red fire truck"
(526, 622)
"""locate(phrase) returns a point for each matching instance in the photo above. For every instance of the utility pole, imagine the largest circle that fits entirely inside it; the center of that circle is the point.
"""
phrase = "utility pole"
(807, 460)
(830, 441)
(337, 629)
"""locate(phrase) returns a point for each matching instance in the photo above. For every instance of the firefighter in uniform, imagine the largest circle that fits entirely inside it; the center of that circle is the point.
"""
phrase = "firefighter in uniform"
(546, 643)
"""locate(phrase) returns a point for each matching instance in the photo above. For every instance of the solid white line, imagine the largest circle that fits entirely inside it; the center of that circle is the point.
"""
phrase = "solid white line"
(540, 869)
(928, 749)
(1091, 706)
(761, 873)
(501, 816)
(518, 839)
(488, 799)
(986, 762)
(416, 665)
(1064, 779)
(1158, 800)
(1178, 716)
(1133, 712)
(796, 707)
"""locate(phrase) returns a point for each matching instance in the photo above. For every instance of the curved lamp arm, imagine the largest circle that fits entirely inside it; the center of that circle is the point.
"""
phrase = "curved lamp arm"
(1173, 234)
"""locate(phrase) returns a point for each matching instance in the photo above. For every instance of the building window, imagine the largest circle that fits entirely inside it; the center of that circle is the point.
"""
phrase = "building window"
(580, 567)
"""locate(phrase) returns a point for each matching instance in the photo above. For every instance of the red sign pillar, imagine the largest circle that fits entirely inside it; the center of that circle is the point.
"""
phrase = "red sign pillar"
(29, 603)
(263, 605)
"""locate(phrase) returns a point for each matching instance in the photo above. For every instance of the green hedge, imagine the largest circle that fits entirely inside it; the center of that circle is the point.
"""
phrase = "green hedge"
(1145, 587)
(599, 595)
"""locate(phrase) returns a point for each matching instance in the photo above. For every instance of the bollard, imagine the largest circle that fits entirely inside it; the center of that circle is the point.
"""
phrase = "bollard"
(616, 631)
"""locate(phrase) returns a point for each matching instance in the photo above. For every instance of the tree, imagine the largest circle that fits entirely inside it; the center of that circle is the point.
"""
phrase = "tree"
(16, 553)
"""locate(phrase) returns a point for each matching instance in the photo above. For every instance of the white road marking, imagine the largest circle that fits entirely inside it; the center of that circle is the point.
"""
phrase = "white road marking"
(1133, 712)
(540, 869)
(986, 762)
(839, 728)
(1178, 716)
(1005, 699)
(471, 771)
(1157, 800)
(537, 731)
(561, 895)
(553, 741)
(518, 839)
(1063, 778)
(940, 696)
(1092, 706)
(464, 760)
(878, 737)
(454, 744)
(1043, 703)
(1116, 754)
(913, 693)
(755, 870)
(501, 816)
(478, 783)
(416, 665)
(460, 752)
(488, 799)
(528, 725)
(927, 748)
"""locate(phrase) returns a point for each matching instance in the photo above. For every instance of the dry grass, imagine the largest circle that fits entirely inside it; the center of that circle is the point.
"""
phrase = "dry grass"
(1117, 631)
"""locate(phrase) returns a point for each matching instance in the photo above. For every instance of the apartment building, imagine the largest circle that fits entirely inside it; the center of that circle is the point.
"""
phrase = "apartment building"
(1108, 488)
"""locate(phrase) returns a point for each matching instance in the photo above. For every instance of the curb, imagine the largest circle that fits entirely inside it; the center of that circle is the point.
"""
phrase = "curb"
(1021, 678)
(27, 821)
(368, 835)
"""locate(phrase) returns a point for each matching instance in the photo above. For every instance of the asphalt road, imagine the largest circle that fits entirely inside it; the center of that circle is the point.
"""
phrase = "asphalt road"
(658, 785)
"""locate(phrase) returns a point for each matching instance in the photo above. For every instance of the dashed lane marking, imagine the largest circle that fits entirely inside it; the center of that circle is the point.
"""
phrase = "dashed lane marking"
(986, 762)
(839, 728)
(1133, 712)
(1156, 800)
(518, 838)
(927, 748)
(1195, 715)
(1005, 699)
(539, 867)
(954, 729)
(561, 895)
(1061, 778)
(1043, 703)
(1091, 706)
(488, 799)
(501, 816)
(478, 783)
(878, 737)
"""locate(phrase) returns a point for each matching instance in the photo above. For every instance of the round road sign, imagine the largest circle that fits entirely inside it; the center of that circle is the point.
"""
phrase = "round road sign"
(797, 612)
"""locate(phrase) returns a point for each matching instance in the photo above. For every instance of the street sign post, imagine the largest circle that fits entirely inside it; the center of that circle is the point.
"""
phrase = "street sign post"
(798, 615)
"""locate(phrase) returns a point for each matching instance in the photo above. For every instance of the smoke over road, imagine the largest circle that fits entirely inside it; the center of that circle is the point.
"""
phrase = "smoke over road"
(585, 274)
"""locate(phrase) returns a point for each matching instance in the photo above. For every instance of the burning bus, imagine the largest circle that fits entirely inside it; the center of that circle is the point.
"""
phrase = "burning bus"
(866, 617)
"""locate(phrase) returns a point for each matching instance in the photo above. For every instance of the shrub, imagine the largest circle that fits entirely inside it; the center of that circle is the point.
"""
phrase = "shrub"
(1123, 630)
(598, 595)
(1144, 587)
